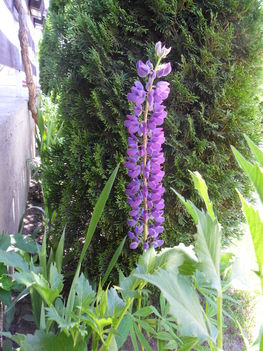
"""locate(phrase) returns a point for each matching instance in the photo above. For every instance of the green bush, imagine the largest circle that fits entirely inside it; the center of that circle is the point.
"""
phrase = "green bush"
(88, 56)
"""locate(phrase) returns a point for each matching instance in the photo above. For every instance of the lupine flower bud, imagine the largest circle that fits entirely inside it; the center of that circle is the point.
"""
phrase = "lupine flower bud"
(161, 51)
(144, 155)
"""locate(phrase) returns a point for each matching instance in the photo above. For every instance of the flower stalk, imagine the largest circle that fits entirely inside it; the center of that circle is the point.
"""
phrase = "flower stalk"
(144, 154)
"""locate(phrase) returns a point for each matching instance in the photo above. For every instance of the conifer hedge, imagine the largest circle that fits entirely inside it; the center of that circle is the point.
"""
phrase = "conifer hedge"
(88, 58)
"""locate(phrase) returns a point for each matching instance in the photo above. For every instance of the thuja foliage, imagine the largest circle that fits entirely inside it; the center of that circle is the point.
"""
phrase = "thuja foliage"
(88, 57)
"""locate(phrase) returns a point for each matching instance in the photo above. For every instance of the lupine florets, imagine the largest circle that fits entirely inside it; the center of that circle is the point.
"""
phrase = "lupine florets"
(144, 155)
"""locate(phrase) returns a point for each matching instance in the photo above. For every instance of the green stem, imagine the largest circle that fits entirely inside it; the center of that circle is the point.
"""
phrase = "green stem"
(138, 309)
(220, 321)
(114, 330)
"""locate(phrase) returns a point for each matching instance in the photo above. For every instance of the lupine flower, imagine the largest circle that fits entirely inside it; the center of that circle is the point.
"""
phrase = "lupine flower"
(145, 158)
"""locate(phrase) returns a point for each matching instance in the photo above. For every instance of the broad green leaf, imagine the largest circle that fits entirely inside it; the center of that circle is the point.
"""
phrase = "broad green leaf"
(5, 283)
(183, 299)
(5, 297)
(41, 285)
(55, 278)
(113, 262)
(98, 210)
(5, 241)
(61, 321)
(258, 154)
(255, 224)
(41, 341)
(24, 243)
(201, 187)
(208, 249)
(190, 207)
(179, 257)
(253, 171)
(13, 259)
(115, 303)
(85, 293)
(113, 345)
(123, 330)
(60, 251)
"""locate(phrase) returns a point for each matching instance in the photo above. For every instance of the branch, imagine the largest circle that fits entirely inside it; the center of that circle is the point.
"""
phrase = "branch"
(23, 37)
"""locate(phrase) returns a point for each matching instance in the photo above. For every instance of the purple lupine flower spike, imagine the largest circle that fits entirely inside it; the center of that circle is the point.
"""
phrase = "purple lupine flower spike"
(145, 158)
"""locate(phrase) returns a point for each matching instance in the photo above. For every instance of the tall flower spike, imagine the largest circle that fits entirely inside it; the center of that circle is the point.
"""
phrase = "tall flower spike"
(145, 158)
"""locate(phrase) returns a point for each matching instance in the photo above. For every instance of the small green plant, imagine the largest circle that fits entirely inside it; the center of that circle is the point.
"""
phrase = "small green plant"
(254, 171)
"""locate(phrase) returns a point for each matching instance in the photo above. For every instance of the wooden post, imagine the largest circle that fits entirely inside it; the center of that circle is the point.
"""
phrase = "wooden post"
(23, 37)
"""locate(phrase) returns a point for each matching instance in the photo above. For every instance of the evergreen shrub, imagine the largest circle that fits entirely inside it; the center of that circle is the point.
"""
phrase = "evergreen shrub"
(88, 54)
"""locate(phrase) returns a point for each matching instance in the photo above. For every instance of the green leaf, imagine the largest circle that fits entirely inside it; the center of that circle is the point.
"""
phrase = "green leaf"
(24, 243)
(5, 241)
(42, 317)
(133, 339)
(189, 343)
(113, 262)
(62, 323)
(123, 330)
(85, 293)
(258, 154)
(41, 341)
(13, 259)
(190, 207)
(179, 257)
(143, 312)
(253, 171)
(98, 210)
(55, 278)
(201, 187)
(5, 283)
(60, 251)
(255, 224)
(208, 249)
(5, 297)
(23, 294)
(142, 339)
(113, 345)
(43, 256)
(183, 299)
(115, 303)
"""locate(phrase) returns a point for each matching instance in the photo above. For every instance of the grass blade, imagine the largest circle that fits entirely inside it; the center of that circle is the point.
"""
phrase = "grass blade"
(113, 262)
(99, 207)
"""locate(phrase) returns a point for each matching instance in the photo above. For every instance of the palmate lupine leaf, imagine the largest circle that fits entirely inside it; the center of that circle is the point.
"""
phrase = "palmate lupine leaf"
(184, 301)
